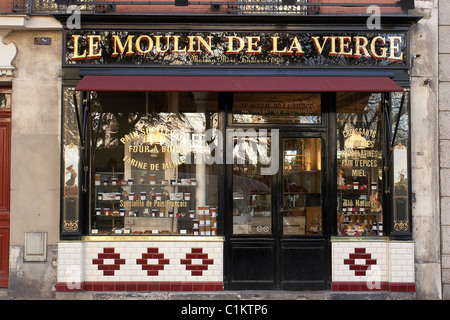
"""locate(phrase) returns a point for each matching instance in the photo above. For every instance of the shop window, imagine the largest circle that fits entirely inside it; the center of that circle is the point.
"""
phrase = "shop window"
(70, 199)
(359, 164)
(154, 167)
(294, 108)
(399, 164)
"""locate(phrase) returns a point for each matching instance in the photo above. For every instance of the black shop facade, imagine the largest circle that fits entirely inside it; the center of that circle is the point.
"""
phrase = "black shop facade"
(225, 153)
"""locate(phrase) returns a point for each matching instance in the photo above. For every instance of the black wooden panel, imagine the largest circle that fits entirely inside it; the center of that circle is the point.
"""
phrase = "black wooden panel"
(304, 265)
(252, 265)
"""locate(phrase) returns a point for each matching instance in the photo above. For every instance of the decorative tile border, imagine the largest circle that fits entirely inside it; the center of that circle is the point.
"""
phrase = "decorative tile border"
(140, 265)
(377, 265)
(141, 286)
(402, 287)
(363, 286)
(359, 286)
(198, 266)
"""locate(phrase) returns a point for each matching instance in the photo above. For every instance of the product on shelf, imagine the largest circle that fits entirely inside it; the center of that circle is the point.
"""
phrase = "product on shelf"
(151, 207)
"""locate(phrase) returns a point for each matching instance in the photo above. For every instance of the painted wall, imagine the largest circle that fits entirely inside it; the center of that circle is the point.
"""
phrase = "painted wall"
(35, 155)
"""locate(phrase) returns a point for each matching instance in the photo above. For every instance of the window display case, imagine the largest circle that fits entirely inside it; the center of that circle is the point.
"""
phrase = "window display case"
(359, 165)
(150, 174)
(359, 208)
(149, 206)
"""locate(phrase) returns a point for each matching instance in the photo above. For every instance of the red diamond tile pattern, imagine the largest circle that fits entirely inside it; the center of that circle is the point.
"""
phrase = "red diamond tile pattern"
(197, 269)
(360, 269)
(152, 269)
(108, 269)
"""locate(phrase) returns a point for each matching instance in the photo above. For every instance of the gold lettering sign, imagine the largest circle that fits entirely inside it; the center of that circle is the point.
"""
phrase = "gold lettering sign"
(153, 145)
(218, 48)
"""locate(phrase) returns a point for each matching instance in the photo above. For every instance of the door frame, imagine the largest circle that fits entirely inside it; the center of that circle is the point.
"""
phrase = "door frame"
(5, 190)
(293, 247)
(277, 246)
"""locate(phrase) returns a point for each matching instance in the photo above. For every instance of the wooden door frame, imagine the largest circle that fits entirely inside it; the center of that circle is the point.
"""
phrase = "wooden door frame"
(5, 190)
(315, 247)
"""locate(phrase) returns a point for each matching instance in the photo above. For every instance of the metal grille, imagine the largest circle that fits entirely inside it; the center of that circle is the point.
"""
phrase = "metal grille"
(273, 7)
(55, 6)
(293, 7)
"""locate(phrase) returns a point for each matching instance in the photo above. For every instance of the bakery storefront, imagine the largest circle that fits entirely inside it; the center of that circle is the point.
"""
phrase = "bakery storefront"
(235, 154)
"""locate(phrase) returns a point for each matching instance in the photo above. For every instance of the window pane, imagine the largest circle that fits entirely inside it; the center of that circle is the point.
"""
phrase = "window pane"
(277, 108)
(302, 209)
(154, 166)
(5, 99)
(71, 162)
(401, 215)
(252, 204)
(359, 164)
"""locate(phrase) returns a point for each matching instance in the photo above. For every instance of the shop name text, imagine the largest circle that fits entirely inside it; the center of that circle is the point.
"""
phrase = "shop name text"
(378, 47)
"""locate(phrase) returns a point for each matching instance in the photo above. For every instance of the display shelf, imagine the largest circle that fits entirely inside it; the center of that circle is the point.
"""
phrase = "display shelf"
(146, 185)
(352, 197)
(138, 206)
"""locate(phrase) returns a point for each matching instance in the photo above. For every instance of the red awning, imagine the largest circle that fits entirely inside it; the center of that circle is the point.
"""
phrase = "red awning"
(237, 84)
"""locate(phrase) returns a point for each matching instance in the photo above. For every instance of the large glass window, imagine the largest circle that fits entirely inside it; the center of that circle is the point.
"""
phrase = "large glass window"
(359, 164)
(155, 158)
(154, 168)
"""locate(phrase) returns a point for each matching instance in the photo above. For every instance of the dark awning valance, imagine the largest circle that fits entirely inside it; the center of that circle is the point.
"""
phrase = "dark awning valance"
(237, 84)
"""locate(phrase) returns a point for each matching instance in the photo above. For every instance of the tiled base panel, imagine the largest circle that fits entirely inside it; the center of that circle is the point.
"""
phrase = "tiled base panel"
(140, 266)
(373, 266)
(198, 266)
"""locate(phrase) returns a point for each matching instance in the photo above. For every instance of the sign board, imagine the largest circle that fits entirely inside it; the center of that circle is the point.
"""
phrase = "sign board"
(283, 49)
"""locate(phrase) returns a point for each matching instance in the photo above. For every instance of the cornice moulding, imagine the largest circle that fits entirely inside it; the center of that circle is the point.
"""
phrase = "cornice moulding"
(26, 22)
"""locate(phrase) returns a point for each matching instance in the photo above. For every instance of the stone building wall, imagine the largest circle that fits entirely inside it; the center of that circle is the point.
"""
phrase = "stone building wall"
(444, 139)
(425, 150)
(35, 154)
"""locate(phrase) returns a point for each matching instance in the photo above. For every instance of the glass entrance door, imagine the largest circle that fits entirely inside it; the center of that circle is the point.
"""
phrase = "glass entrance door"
(277, 239)
(302, 245)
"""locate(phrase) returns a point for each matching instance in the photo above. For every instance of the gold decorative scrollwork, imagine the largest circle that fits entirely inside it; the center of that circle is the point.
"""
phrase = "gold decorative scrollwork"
(70, 225)
(400, 146)
(401, 225)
